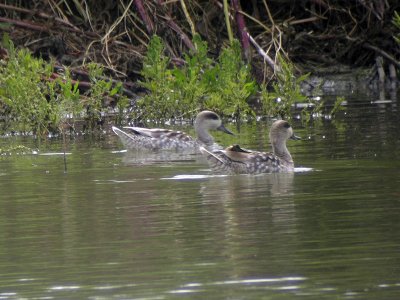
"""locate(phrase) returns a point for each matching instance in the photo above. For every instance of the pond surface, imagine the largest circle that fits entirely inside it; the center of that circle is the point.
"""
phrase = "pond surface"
(122, 226)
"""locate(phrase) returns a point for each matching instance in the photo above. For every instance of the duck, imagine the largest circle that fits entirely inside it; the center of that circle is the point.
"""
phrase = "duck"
(237, 160)
(158, 139)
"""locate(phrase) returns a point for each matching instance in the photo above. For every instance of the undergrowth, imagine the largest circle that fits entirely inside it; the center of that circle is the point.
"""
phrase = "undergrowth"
(33, 101)
(285, 92)
(23, 93)
(223, 86)
(396, 23)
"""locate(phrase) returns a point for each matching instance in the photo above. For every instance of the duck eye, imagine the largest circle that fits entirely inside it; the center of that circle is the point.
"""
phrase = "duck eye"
(286, 125)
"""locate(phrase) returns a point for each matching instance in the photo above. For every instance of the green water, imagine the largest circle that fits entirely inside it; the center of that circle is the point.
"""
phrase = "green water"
(118, 226)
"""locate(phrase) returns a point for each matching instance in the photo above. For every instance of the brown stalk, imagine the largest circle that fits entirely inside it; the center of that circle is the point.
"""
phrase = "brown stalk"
(39, 14)
(383, 53)
(241, 26)
(259, 49)
(24, 24)
(145, 17)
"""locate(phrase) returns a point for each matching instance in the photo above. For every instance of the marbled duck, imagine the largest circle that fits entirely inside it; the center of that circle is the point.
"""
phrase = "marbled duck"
(154, 139)
(236, 160)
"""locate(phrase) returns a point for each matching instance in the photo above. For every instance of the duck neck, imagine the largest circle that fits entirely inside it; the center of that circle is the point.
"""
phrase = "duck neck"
(280, 150)
(203, 135)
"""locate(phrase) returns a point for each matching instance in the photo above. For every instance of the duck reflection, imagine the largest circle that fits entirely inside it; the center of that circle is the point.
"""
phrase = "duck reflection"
(248, 186)
(244, 199)
(252, 218)
(139, 157)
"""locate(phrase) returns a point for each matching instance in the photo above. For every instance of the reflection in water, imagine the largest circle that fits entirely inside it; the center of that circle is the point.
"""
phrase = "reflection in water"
(251, 212)
(284, 283)
(123, 226)
(143, 157)
(244, 186)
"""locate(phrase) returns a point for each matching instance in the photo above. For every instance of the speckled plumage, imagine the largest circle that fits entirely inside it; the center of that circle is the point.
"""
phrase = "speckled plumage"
(235, 160)
(155, 139)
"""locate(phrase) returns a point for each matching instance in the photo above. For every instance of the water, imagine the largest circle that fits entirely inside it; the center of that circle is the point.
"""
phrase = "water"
(121, 226)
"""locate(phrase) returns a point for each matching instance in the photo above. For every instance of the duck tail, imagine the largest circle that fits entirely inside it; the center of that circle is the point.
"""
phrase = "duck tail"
(218, 161)
(210, 155)
(131, 141)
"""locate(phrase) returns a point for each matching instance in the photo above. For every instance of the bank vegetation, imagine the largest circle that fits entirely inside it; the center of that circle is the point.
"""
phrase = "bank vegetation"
(63, 61)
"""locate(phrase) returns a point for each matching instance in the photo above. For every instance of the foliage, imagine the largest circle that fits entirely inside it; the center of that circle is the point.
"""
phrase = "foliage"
(101, 88)
(337, 106)
(157, 80)
(286, 92)
(124, 27)
(396, 23)
(286, 95)
(32, 100)
(180, 91)
(233, 84)
(65, 101)
(192, 81)
(223, 86)
(15, 150)
(22, 91)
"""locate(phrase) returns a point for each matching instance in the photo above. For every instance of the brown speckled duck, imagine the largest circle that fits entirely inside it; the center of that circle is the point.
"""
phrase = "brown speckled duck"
(236, 160)
(155, 139)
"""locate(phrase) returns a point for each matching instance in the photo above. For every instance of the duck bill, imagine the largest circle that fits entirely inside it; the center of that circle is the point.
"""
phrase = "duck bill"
(295, 137)
(224, 129)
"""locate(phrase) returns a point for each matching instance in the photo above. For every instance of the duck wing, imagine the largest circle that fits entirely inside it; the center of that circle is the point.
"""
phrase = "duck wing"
(221, 163)
(236, 160)
(149, 132)
(155, 139)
